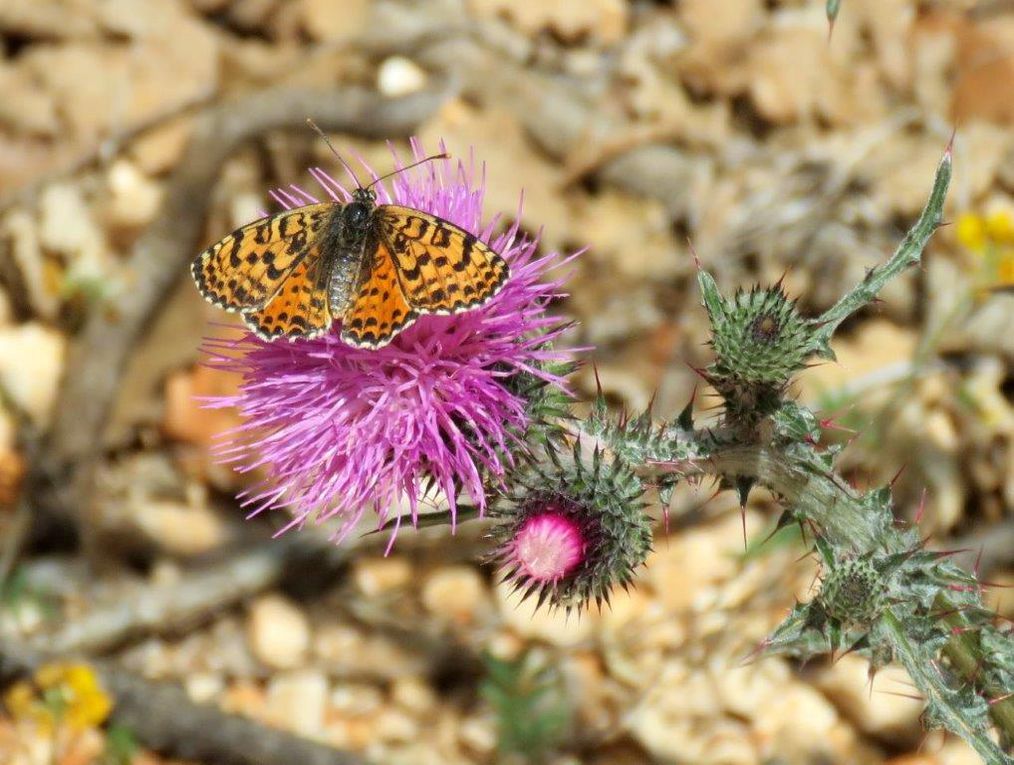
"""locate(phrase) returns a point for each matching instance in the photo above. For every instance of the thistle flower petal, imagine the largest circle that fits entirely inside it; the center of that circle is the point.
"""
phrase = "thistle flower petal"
(338, 430)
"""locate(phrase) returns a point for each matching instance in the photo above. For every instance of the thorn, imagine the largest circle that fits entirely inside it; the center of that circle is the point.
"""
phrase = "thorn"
(756, 652)
(963, 630)
(700, 372)
(896, 476)
(978, 562)
(949, 151)
(781, 279)
(830, 423)
(686, 417)
(998, 699)
(914, 696)
(598, 381)
(693, 252)
(922, 508)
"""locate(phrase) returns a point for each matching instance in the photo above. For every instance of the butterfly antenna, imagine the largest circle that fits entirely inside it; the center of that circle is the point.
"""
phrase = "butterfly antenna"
(442, 155)
(335, 152)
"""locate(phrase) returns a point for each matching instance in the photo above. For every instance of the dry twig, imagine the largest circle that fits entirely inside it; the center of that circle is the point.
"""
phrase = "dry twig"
(164, 718)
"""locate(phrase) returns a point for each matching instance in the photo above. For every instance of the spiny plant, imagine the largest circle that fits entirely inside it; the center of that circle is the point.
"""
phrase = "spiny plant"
(476, 406)
(531, 707)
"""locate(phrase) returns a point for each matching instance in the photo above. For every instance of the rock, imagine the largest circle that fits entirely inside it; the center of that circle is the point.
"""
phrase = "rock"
(399, 76)
(158, 150)
(67, 225)
(179, 527)
(344, 651)
(478, 734)
(685, 570)
(133, 198)
(356, 699)
(203, 687)
(297, 700)
(631, 234)
(20, 230)
(800, 724)
(25, 107)
(715, 21)
(603, 20)
(243, 698)
(278, 632)
(395, 726)
(413, 695)
(46, 19)
(31, 363)
(876, 346)
(332, 21)
(455, 593)
(185, 419)
(879, 711)
(99, 87)
(555, 626)
(377, 576)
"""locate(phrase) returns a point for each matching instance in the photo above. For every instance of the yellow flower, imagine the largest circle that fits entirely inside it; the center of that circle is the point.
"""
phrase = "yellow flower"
(87, 705)
(971, 231)
(62, 693)
(24, 705)
(1005, 268)
(1000, 227)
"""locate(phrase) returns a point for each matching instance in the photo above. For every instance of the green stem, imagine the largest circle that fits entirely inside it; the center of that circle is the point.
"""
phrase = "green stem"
(907, 254)
(930, 682)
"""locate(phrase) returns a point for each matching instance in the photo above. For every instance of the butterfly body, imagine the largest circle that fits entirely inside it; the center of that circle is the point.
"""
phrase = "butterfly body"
(375, 268)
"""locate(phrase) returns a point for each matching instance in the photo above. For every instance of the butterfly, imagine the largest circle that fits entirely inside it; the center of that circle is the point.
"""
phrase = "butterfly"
(376, 268)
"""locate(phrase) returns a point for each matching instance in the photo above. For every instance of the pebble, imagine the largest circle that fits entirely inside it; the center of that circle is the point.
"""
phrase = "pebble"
(20, 229)
(393, 725)
(376, 576)
(204, 686)
(881, 712)
(333, 21)
(686, 570)
(157, 151)
(356, 699)
(180, 528)
(133, 198)
(31, 363)
(278, 632)
(67, 225)
(413, 695)
(399, 76)
(297, 700)
(554, 626)
(455, 593)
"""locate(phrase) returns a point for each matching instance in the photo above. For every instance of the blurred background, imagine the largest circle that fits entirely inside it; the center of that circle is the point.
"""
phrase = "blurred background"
(133, 133)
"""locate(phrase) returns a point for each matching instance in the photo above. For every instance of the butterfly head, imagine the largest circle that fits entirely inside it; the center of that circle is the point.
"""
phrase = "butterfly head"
(358, 212)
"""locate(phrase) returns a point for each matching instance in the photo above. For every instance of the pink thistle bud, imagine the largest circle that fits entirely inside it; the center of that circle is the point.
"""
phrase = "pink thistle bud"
(571, 530)
(547, 546)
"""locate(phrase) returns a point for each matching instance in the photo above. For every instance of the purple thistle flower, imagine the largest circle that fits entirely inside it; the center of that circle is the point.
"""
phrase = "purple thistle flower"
(337, 429)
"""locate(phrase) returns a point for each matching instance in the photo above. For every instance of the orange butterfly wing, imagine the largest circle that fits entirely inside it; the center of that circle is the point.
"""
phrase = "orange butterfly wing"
(379, 310)
(442, 268)
(299, 309)
(243, 271)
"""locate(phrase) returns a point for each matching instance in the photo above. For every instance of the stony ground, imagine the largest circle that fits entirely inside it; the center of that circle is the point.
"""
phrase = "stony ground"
(784, 154)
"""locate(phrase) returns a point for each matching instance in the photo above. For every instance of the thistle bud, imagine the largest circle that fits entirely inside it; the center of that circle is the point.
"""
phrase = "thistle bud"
(573, 531)
(760, 341)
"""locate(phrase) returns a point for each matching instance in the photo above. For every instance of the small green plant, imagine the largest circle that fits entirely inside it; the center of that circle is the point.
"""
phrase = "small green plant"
(529, 701)
(121, 746)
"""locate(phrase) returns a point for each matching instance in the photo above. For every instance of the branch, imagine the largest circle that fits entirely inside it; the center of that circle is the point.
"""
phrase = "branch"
(163, 717)
(201, 594)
